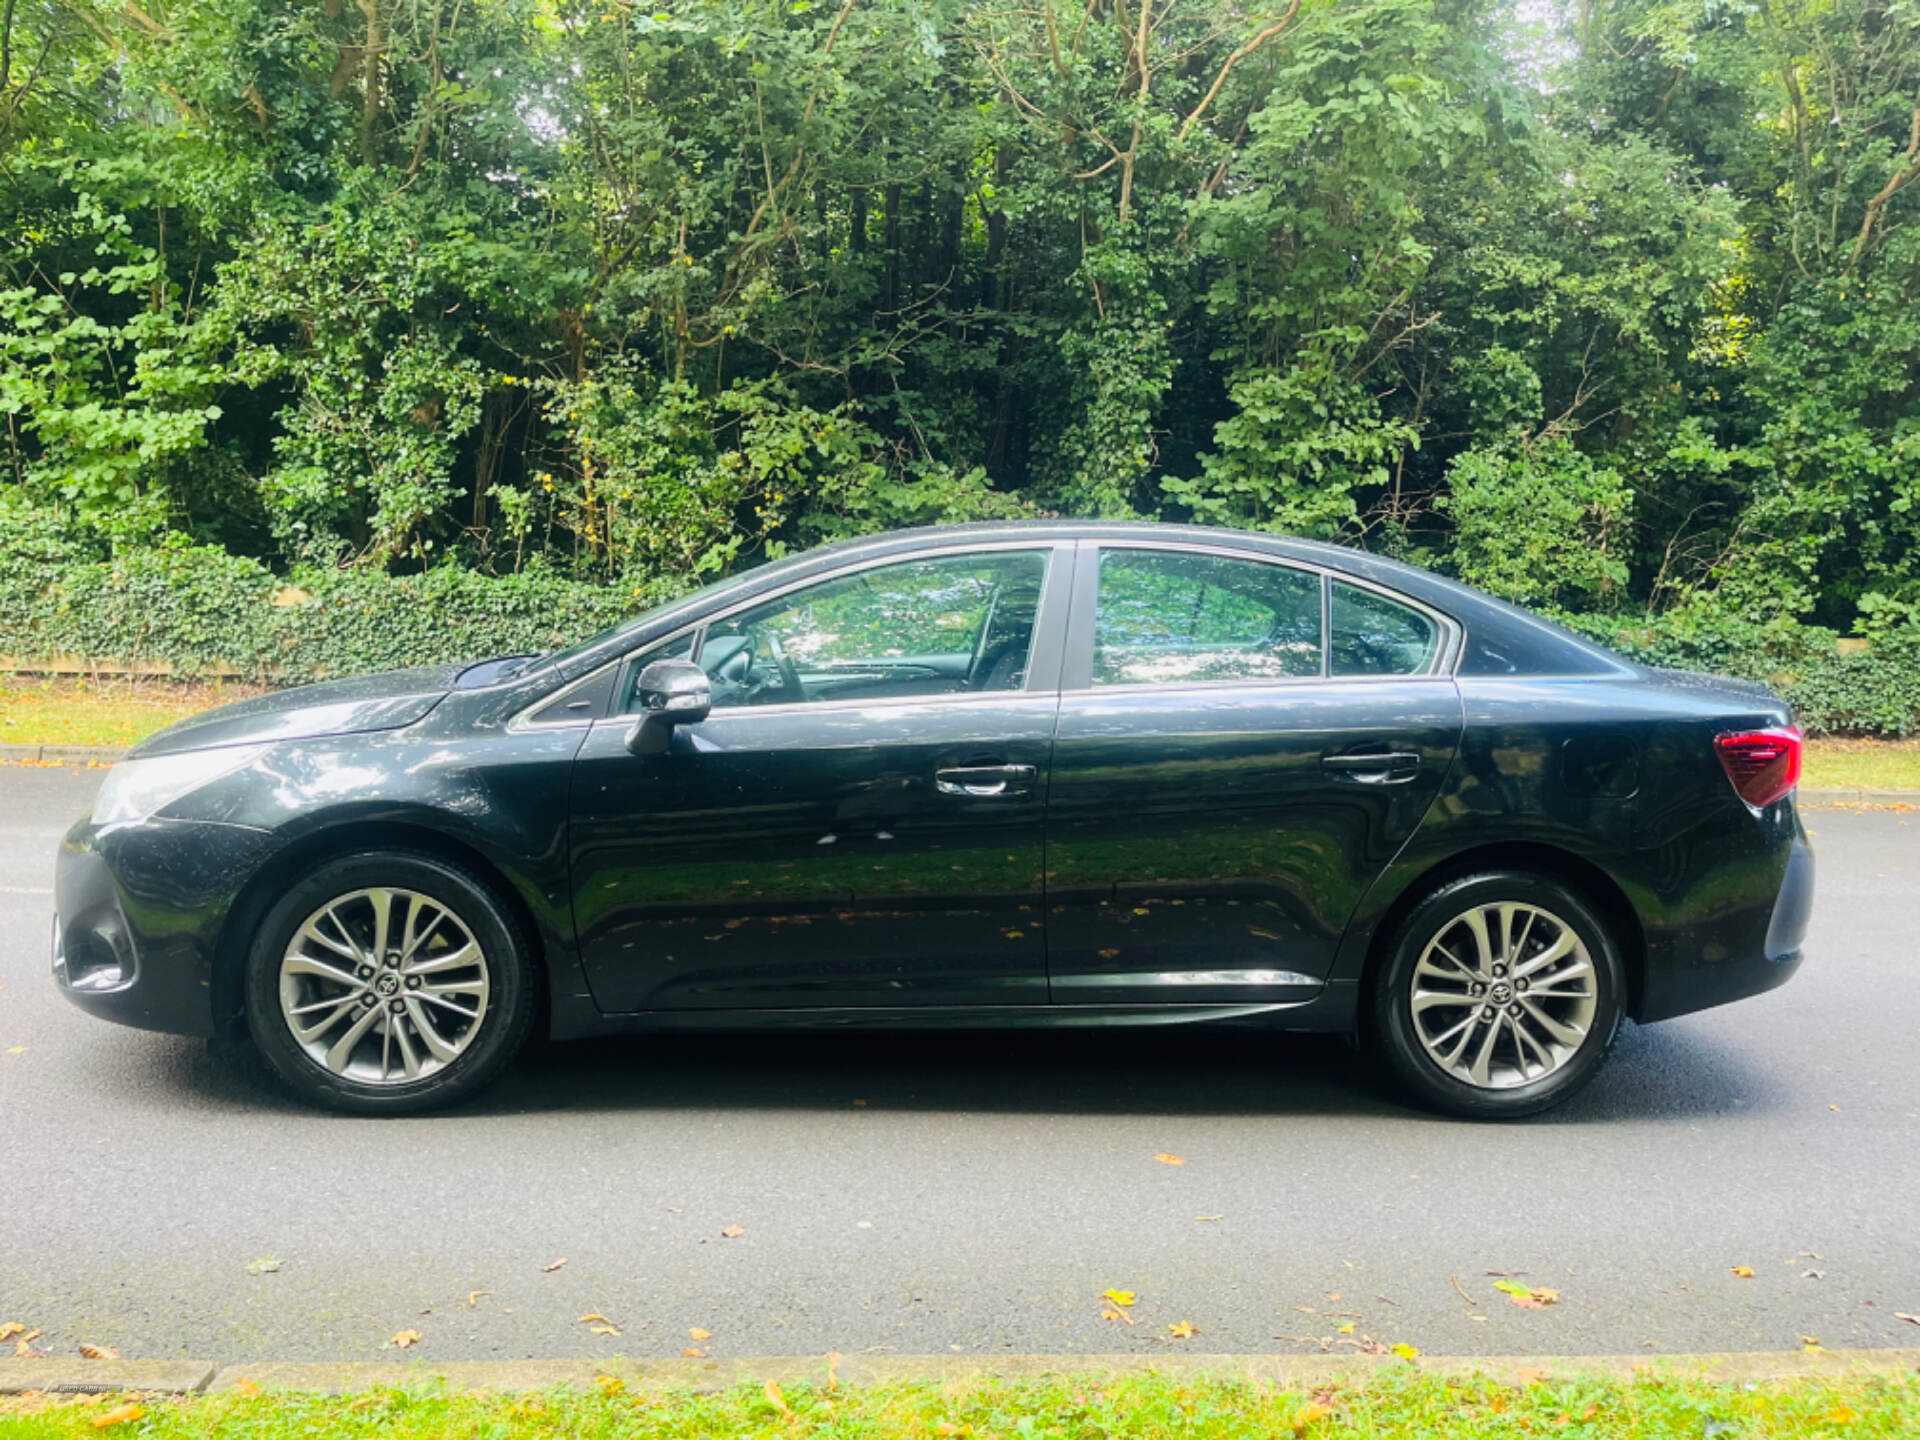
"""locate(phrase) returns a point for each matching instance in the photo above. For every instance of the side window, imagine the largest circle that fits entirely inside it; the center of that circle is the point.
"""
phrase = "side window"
(950, 625)
(1373, 635)
(1167, 617)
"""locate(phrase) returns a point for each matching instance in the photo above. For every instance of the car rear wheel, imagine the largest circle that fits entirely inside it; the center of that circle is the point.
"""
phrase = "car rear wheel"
(389, 983)
(1501, 995)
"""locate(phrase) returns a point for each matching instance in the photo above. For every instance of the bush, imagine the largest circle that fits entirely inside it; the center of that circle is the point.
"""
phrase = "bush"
(1835, 687)
(202, 611)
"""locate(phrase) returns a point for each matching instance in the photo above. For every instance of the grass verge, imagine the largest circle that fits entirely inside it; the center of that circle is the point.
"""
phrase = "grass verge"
(1405, 1404)
(38, 710)
(1862, 764)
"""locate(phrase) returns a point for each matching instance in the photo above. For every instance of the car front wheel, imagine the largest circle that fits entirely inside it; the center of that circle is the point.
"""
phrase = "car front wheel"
(1501, 996)
(389, 983)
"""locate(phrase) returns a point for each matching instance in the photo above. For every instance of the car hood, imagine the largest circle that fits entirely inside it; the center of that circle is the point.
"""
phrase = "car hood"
(337, 707)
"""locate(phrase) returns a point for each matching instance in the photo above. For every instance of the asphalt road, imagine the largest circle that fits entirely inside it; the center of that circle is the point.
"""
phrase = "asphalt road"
(974, 1193)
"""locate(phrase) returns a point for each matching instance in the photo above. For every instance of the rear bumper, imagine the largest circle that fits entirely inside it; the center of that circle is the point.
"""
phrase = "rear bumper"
(1738, 958)
(138, 911)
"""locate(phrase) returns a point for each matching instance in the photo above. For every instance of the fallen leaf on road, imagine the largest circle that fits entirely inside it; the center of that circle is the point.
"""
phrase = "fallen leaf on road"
(695, 1352)
(1527, 1299)
(698, 1334)
(1204, 1219)
(1123, 1298)
(603, 1329)
(1108, 1313)
(23, 1347)
(265, 1265)
(1333, 1295)
(1898, 1315)
(1745, 1272)
(119, 1415)
(1183, 1330)
(17, 1050)
(733, 1232)
(1810, 1342)
(594, 1318)
(99, 1352)
(474, 1296)
(10, 1329)
(1406, 1351)
(402, 1340)
(1166, 1159)
(1347, 1329)
(549, 1269)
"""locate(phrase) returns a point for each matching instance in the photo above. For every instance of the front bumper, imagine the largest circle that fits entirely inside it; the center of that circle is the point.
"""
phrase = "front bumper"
(139, 911)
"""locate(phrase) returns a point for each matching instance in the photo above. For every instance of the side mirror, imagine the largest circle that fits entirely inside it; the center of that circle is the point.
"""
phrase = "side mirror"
(670, 692)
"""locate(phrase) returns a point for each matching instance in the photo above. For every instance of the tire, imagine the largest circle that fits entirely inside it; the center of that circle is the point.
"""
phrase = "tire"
(1554, 1020)
(456, 965)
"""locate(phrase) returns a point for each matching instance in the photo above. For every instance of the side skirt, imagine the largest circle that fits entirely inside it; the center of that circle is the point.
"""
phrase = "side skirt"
(1330, 1008)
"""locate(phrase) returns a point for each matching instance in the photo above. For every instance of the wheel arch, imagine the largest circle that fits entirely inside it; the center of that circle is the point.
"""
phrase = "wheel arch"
(1594, 883)
(287, 864)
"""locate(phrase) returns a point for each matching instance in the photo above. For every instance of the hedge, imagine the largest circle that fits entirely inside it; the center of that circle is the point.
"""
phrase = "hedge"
(199, 611)
(202, 611)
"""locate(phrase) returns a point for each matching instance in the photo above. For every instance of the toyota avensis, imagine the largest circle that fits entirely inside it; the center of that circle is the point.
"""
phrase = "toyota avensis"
(1004, 775)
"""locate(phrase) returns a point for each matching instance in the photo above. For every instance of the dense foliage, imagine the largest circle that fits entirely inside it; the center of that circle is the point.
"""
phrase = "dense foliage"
(1611, 307)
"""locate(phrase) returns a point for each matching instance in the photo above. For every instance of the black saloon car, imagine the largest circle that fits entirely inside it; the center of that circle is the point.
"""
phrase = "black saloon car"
(1037, 774)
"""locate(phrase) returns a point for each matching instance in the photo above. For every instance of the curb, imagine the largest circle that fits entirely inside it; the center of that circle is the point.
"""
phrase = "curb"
(1824, 795)
(62, 754)
(191, 1377)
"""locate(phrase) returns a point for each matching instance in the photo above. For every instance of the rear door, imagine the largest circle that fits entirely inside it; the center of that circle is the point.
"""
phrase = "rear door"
(1243, 745)
(860, 820)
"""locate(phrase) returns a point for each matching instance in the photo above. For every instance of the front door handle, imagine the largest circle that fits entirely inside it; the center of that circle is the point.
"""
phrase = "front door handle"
(985, 782)
(1389, 767)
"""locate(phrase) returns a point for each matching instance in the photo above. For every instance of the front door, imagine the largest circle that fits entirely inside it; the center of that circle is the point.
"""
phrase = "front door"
(1243, 746)
(859, 822)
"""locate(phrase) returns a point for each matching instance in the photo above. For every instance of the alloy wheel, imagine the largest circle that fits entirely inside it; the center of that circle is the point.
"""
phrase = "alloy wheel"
(1503, 995)
(384, 986)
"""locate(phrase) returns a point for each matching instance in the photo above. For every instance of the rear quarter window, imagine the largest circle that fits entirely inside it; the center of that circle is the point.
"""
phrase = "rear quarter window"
(1374, 635)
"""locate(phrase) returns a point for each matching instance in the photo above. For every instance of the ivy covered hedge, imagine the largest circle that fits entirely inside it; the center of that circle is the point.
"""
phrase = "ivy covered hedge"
(202, 611)
(1836, 686)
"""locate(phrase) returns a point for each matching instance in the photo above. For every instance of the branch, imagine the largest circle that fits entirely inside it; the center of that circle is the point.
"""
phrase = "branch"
(1234, 59)
(1895, 184)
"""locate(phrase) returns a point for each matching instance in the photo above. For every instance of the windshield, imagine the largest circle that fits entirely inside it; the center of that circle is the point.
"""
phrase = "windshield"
(561, 659)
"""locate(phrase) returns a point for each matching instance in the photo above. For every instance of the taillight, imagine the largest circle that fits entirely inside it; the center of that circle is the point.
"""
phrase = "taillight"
(1764, 765)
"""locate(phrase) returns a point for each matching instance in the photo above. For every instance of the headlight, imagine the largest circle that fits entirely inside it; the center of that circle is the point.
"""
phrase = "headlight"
(135, 789)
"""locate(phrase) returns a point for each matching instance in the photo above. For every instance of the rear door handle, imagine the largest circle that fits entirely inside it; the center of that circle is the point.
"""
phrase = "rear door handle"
(1391, 767)
(986, 782)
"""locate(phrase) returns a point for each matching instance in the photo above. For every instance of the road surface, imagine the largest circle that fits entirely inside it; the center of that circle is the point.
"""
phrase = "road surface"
(975, 1193)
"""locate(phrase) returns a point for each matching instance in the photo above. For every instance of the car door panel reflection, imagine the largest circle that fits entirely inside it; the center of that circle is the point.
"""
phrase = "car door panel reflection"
(807, 857)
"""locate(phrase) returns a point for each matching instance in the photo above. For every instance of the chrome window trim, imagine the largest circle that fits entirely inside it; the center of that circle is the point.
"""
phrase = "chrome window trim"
(1052, 548)
(1443, 665)
(834, 707)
